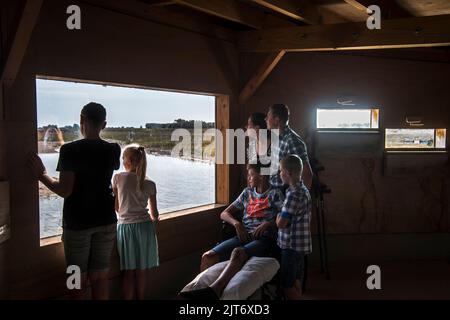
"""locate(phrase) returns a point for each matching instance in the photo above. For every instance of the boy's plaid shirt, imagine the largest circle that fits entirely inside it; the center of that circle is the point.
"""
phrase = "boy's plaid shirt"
(297, 209)
(289, 143)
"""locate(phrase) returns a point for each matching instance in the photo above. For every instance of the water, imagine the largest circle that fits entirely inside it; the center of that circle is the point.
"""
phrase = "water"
(180, 184)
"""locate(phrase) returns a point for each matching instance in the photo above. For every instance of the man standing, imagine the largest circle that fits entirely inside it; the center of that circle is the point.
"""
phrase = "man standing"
(289, 143)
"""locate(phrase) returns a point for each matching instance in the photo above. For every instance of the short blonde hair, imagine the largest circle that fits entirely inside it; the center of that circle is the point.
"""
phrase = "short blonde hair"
(292, 164)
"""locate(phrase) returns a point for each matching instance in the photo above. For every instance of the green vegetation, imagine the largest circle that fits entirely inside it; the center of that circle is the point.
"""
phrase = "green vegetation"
(156, 138)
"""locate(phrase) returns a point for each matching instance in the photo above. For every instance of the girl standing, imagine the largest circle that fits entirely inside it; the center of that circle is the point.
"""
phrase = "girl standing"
(136, 237)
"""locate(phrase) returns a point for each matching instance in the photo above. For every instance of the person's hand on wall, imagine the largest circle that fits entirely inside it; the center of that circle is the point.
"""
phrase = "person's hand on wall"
(155, 218)
(36, 166)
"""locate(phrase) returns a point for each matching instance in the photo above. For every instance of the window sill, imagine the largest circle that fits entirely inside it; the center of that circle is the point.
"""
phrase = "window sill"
(361, 131)
(416, 151)
(166, 216)
(50, 240)
(180, 213)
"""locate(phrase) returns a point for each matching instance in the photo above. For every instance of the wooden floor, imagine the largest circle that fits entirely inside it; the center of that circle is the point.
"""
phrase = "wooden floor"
(414, 280)
(405, 281)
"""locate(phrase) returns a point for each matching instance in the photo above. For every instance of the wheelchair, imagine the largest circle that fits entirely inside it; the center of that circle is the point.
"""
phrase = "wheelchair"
(271, 290)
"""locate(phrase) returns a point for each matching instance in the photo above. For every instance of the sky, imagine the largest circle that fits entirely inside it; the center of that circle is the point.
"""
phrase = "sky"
(60, 103)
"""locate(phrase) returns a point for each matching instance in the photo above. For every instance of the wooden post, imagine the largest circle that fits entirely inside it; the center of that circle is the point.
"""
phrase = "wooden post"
(263, 72)
(11, 68)
(222, 170)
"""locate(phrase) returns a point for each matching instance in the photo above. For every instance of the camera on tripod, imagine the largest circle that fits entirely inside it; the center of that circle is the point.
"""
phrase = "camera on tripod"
(316, 166)
(323, 188)
(319, 189)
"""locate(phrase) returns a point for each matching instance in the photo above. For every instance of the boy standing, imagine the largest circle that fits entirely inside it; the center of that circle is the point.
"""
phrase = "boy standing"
(294, 236)
(89, 218)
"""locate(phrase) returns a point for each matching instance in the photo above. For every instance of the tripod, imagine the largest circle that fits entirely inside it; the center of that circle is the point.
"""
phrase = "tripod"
(319, 189)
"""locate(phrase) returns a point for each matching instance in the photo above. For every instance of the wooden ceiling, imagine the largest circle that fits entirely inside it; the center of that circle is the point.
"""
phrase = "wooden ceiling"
(300, 25)
(254, 13)
(276, 26)
(426, 7)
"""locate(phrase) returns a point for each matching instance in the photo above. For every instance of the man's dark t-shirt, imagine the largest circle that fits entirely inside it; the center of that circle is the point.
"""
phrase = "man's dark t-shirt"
(91, 203)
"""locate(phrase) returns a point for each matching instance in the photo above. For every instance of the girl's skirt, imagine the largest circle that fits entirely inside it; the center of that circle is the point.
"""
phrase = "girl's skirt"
(137, 245)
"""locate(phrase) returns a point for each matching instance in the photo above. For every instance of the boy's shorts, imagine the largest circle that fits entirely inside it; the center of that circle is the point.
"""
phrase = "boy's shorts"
(292, 267)
(89, 249)
(256, 248)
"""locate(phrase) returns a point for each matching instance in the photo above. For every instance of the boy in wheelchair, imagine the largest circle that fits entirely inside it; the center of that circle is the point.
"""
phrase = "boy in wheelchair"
(255, 236)
(256, 233)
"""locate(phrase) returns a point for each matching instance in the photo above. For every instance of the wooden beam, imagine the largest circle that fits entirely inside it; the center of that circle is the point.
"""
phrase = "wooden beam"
(303, 11)
(306, 13)
(18, 48)
(425, 8)
(393, 10)
(261, 74)
(20, 42)
(11, 68)
(228, 9)
(357, 4)
(164, 16)
(329, 15)
(399, 33)
(390, 9)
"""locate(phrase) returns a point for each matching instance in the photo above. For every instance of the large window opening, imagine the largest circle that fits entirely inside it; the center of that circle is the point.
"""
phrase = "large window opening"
(134, 115)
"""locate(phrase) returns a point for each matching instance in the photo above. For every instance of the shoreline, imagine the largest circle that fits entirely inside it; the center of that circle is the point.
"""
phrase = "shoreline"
(54, 148)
